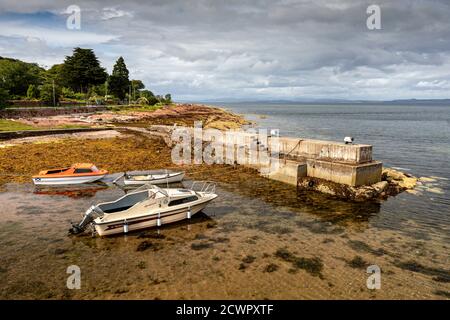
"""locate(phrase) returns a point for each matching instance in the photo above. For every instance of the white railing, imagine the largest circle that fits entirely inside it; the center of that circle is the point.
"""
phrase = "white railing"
(149, 186)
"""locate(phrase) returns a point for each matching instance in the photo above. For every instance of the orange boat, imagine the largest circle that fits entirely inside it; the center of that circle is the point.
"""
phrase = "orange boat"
(76, 174)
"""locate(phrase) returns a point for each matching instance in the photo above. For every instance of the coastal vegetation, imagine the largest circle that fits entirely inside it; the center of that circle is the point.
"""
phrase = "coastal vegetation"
(80, 79)
(10, 125)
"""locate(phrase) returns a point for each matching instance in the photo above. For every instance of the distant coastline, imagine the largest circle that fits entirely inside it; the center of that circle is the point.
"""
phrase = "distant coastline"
(440, 102)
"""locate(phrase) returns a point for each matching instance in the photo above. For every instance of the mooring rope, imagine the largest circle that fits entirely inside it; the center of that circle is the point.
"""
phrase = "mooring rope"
(285, 155)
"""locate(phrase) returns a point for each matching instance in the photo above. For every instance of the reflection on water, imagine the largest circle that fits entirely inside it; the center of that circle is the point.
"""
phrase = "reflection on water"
(78, 191)
(259, 239)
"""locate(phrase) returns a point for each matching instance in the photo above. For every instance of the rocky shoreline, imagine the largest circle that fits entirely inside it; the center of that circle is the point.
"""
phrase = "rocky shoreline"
(181, 114)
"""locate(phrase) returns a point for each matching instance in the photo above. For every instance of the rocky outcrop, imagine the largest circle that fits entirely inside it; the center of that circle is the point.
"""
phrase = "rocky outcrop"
(393, 182)
(400, 180)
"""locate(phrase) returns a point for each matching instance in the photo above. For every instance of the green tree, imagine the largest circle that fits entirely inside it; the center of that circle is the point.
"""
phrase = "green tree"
(136, 87)
(168, 98)
(17, 75)
(119, 82)
(101, 89)
(46, 93)
(55, 73)
(82, 70)
(32, 92)
(137, 84)
(68, 93)
(4, 96)
(147, 94)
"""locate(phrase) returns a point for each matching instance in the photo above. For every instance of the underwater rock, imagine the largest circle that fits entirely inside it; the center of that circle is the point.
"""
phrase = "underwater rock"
(403, 180)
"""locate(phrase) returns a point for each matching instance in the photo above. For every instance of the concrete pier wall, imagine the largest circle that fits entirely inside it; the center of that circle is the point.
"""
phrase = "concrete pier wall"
(289, 172)
(348, 164)
(327, 150)
(350, 174)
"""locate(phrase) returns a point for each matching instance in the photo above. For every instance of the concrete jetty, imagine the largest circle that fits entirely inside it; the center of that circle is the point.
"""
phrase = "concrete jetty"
(348, 164)
(345, 164)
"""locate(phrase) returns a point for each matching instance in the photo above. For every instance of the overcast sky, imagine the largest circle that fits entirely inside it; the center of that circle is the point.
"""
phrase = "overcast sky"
(272, 49)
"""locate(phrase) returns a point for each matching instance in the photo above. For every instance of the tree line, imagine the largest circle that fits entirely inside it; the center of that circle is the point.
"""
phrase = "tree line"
(80, 78)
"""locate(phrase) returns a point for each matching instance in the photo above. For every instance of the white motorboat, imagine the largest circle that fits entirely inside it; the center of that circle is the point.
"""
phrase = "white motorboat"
(153, 177)
(147, 206)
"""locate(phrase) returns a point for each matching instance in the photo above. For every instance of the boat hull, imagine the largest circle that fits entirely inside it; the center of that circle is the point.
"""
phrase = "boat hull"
(66, 180)
(172, 179)
(151, 220)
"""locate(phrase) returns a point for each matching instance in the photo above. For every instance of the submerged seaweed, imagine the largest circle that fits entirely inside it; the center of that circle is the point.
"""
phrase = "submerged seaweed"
(248, 259)
(144, 245)
(357, 262)
(364, 247)
(440, 275)
(442, 293)
(271, 267)
(201, 246)
(313, 266)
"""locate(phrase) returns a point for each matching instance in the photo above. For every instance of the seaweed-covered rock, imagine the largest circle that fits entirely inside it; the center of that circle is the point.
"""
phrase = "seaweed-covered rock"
(393, 182)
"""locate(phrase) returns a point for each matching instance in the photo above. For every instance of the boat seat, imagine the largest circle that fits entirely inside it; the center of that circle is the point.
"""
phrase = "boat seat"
(125, 203)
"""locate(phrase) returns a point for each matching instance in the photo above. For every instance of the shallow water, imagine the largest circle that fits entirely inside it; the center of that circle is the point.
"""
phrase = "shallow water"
(251, 242)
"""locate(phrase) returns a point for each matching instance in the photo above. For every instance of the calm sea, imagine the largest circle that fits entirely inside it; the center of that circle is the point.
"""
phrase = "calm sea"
(410, 138)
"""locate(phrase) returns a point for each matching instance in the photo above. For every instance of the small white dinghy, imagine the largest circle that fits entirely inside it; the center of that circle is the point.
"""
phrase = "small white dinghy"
(145, 207)
(152, 177)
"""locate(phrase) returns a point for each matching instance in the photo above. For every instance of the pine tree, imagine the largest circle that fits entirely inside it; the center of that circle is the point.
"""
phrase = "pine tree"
(82, 70)
(118, 81)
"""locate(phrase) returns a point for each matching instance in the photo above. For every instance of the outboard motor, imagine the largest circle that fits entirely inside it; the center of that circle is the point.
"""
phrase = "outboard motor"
(89, 216)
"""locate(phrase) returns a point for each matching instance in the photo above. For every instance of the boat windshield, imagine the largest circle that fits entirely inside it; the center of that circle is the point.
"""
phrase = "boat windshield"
(155, 189)
(94, 168)
(52, 171)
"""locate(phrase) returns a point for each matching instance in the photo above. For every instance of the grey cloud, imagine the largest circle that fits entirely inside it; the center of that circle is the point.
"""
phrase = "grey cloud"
(276, 49)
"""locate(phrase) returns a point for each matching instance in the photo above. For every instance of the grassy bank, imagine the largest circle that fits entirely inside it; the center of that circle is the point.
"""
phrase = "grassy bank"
(10, 125)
